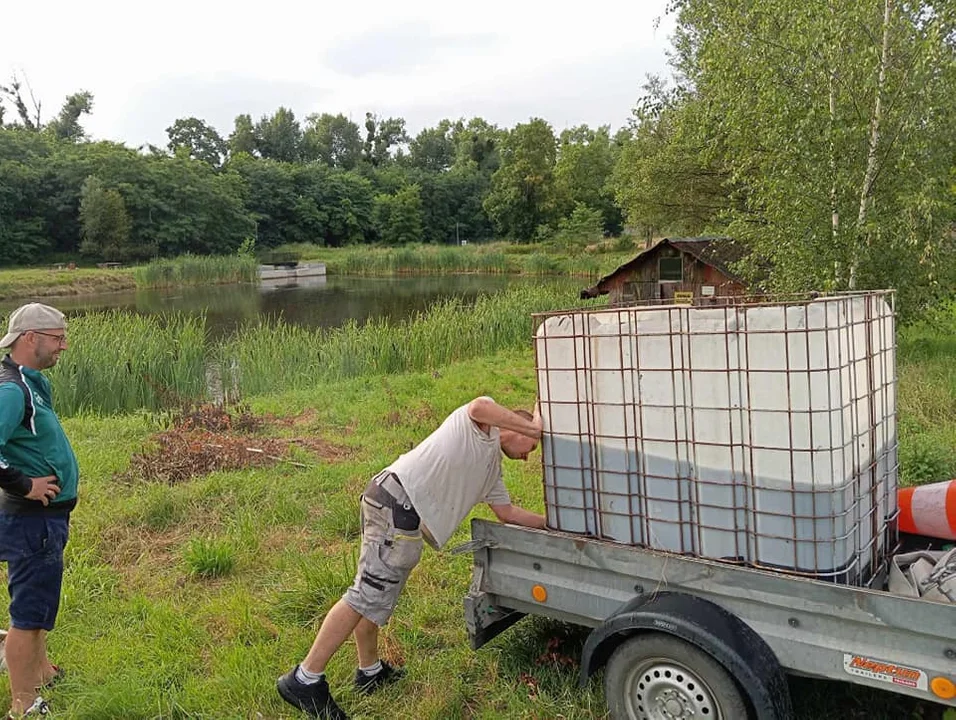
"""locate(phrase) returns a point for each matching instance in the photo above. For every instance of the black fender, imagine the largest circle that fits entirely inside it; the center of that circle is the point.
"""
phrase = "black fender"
(719, 633)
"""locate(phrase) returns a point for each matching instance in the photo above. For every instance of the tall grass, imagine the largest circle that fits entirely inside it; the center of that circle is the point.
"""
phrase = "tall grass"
(119, 362)
(280, 356)
(197, 270)
(431, 259)
(497, 257)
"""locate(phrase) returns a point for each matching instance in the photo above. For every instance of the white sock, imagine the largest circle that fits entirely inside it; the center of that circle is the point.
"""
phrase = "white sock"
(307, 678)
(372, 669)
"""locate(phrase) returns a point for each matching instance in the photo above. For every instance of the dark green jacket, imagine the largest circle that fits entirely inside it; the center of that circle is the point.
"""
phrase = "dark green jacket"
(32, 442)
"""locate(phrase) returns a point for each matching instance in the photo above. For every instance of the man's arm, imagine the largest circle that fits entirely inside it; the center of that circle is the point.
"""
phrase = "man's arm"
(517, 516)
(487, 413)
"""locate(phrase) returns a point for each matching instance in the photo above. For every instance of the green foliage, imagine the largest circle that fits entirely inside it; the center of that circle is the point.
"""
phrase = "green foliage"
(333, 140)
(433, 149)
(209, 558)
(522, 195)
(925, 459)
(624, 243)
(200, 141)
(66, 125)
(585, 225)
(106, 224)
(381, 136)
(398, 217)
(586, 159)
(451, 330)
(839, 154)
(279, 137)
(667, 179)
(120, 362)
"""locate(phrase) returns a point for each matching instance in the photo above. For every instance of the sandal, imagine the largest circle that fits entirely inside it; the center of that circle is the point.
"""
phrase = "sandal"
(38, 708)
(58, 675)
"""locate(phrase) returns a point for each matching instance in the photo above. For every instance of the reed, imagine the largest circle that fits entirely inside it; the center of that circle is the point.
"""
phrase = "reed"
(197, 270)
(275, 357)
(119, 362)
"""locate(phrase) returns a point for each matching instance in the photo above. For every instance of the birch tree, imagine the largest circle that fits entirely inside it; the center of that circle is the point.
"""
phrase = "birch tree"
(824, 110)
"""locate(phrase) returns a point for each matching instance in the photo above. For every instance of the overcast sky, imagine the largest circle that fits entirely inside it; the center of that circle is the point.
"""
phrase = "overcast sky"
(148, 63)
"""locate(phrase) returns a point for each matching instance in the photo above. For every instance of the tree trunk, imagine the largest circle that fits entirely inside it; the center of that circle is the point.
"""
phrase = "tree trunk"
(872, 161)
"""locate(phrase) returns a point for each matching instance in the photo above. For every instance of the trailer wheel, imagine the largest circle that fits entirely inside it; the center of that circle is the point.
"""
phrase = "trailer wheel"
(660, 677)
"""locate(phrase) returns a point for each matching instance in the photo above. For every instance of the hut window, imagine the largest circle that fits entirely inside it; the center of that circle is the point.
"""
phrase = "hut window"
(671, 269)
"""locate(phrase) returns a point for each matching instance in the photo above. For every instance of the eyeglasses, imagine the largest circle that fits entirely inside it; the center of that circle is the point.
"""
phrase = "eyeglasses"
(59, 338)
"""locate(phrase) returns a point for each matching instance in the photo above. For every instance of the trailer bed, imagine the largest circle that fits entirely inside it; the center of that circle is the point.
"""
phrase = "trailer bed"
(816, 629)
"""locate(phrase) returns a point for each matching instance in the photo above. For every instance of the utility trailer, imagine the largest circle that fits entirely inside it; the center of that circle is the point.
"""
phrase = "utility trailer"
(683, 637)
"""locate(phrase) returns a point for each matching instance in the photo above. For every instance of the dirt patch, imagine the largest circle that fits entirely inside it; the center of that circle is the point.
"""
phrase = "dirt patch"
(205, 438)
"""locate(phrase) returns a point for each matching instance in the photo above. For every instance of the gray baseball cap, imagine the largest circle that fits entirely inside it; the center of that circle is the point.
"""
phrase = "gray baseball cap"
(33, 316)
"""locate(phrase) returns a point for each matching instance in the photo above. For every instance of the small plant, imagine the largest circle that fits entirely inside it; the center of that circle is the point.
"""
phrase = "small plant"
(923, 459)
(209, 558)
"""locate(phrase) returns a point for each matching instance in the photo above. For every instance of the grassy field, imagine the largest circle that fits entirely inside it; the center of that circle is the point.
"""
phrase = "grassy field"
(187, 598)
(47, 282)
(198, 569)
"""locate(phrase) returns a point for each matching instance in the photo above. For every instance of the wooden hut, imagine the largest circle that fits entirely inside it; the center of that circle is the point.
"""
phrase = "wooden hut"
(675, 270)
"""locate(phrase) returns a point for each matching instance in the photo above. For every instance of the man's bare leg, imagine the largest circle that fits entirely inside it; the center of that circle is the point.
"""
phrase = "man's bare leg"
(22, 650)
(336, 628)
(366, 641)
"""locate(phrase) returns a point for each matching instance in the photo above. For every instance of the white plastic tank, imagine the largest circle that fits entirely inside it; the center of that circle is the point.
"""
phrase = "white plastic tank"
(763, 434)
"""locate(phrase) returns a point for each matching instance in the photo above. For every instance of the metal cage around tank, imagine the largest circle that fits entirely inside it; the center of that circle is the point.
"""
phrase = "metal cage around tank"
(759, 431)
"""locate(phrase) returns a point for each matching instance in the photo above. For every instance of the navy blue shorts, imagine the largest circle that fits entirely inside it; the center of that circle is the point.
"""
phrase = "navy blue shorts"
(32, 546)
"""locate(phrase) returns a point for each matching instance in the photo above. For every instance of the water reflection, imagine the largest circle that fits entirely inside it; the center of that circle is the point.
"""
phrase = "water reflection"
(311, 302)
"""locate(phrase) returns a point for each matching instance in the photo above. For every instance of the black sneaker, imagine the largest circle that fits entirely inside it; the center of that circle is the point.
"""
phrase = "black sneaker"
(314, 699)
(367, 684)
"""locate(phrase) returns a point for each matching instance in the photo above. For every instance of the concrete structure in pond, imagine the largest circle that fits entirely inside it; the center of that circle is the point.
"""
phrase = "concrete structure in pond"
(291, 271)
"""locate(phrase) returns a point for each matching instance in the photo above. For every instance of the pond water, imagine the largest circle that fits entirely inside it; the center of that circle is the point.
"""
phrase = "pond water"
(313, 302)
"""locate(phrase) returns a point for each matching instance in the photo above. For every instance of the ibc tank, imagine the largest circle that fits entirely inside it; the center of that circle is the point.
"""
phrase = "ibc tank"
(759, 433)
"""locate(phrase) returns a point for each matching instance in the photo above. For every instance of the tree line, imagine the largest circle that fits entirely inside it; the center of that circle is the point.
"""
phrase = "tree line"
(326, 181)
(818, 133)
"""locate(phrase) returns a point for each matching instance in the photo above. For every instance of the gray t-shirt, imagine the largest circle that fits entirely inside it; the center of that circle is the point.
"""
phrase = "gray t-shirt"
(451, 471)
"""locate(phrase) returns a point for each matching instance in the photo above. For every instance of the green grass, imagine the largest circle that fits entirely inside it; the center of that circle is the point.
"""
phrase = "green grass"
(197, 270)
(498, 257)
(927, 399)
(209, 558)
(31, 283)
(187, 601)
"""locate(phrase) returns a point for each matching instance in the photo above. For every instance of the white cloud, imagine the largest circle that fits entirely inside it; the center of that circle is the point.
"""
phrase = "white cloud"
(149, 63)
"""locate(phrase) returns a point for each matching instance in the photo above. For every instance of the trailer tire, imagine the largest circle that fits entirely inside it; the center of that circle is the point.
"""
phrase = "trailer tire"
(653, 676)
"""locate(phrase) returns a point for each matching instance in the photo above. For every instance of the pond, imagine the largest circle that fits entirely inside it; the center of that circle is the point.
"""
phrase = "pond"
(327, 301)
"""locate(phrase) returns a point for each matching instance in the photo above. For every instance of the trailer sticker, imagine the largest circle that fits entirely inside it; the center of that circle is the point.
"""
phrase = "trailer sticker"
(887, 672)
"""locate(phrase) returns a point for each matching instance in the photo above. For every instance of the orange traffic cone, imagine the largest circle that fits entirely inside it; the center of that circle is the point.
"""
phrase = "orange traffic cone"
(929, 510)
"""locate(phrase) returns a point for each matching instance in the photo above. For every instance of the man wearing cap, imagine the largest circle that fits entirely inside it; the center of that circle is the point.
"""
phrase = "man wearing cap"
(38, 480)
